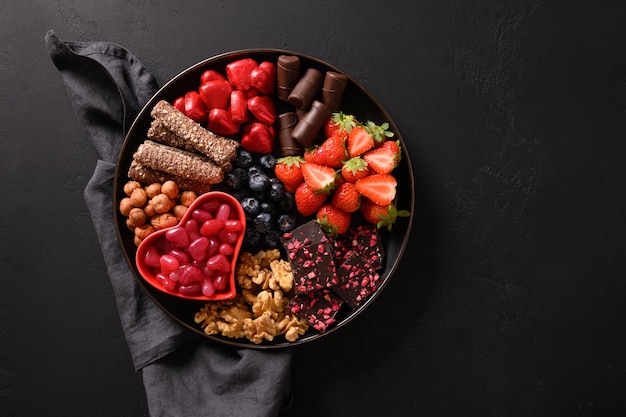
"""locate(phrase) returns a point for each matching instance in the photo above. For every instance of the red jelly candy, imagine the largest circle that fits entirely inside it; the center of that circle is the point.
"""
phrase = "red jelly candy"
(214, 246)
(167, 283)
(219, 262)
(178, 236)
(168, 264)
(226, 249)
(182, 257)
(220, 281)
(192, 227)
(233, 225)
(152, 257)
(211, 205)
(191, 289)
(190, 274)
(201, 215)
(223, 212)
(198, 248)
(211, 227)
(208, 288)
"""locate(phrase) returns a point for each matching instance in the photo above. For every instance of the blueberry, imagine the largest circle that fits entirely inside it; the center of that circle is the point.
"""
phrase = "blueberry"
(267, 207)
(272, 239)
(254, 169)
(276, 192)
(244, 159)
(250, 206)
(288, 202)
(286, 223)
(242, 174)
(252, 237)
(231, 181)
(263, 223)
(241, 194)
(268, 162)
(260, 195)
(258, 181)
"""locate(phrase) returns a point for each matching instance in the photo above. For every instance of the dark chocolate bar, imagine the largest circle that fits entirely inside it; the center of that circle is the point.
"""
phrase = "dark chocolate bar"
(357, 280)
(364, 240)
(319, 308)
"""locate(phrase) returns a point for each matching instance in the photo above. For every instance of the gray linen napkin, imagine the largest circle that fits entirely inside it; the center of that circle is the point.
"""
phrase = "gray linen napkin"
(183, 374)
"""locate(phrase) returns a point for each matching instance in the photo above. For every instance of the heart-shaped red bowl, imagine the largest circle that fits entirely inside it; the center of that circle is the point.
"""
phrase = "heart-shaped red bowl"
(196, 259)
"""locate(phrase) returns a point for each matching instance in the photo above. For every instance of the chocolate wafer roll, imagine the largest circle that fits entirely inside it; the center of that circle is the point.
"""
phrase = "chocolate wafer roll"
(147, 175)
(220, 149)
(159, 133)
(178, 162)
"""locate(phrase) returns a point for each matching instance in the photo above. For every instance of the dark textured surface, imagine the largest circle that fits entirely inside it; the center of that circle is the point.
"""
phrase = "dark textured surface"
(510, 301)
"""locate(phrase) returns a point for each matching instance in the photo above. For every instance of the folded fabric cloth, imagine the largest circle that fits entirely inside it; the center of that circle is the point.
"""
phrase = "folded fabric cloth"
(184, 374)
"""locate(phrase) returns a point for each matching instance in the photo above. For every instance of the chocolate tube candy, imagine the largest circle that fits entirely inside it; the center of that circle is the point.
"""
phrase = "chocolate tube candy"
(332, 91)
(287, 75)
(306, 89)
(288, 146)
(311, 122)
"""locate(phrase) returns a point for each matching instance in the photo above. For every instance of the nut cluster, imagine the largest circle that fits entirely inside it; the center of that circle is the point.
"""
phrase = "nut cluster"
(259, 313)
(149, 208)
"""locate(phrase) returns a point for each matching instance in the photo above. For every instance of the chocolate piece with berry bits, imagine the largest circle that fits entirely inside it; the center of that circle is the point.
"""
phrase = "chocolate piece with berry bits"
(306, 234)
(364, 240)
(357, 280)
(319, 308)
(313, 267)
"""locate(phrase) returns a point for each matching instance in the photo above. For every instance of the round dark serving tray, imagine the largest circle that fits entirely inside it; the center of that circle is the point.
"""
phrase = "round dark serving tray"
(356, 100)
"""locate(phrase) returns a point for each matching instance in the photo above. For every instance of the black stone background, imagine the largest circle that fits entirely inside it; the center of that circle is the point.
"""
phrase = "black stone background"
(511, 298)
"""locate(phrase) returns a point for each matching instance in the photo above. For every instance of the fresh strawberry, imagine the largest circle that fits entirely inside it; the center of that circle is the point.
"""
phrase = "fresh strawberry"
(393, 146)
(263, 77)
(309, 153)
(263, 109)
(238, 72)
(354, 169)
(379, 133)
(359, 141)
(347, 198)
(221, 122)
(257, 138)
(380, 188)
(381, 160)
(215, 94)
(288, 170)
(381, 215)
(333, 220)
(239, 107)
(319, 177)
(339, 122)
(332, 152)
(308, 201)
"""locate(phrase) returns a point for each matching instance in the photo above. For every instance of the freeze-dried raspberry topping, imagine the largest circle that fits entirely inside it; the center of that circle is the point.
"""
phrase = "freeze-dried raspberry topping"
(318, 307)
